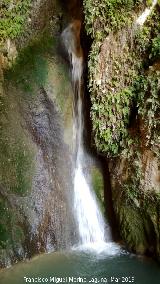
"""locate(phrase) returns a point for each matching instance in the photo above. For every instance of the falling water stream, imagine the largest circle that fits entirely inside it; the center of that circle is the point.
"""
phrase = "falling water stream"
(90, 221)
(143, 17)
(103, 262)
(92, 229)
(106, 263)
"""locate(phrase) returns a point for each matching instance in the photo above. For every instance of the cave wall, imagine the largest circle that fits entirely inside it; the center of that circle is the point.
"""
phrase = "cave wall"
(124, 89)
(36, 130)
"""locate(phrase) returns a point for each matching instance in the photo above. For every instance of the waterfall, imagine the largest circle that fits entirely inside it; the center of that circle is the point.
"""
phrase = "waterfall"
(143, 17)
(91, 225)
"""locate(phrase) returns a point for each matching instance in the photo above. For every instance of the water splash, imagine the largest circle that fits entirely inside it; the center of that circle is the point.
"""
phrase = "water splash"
(103, 249)
(90, 221)
(92, 229)
(143, 17)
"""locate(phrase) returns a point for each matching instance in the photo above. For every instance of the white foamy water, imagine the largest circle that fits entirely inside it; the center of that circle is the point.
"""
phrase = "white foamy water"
(93, 232)
(103, 249)
(143, 17)
(90, 220)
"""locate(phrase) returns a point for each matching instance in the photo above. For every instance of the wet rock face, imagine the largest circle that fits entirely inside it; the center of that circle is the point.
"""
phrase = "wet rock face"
(41, 210)
(151, 171)
(36, 143)
(50, 218)
(39, 216)
(136, 202)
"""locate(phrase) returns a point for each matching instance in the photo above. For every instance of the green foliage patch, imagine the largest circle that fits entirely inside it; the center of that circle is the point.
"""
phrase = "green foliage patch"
(110, 121)
(104, 16)
(147, 91)
(13, 15)
(124, 85)
(129, 55)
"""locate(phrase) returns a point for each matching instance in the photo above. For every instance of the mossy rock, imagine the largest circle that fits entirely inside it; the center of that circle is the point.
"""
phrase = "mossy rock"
(11, 234)
(121, 86)
(16, 155)
(132, 228)
(98, 185)
(30, 69)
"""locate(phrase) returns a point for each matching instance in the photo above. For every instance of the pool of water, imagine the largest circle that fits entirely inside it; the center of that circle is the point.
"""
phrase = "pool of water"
(83, 267)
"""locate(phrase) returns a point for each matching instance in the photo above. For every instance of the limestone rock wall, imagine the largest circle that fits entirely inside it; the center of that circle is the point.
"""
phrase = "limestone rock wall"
(124, 88)
(35, 140)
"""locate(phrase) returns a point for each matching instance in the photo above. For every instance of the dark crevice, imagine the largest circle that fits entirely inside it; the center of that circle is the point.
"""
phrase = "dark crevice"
(74, 11)
(86, 43)
(110, 214)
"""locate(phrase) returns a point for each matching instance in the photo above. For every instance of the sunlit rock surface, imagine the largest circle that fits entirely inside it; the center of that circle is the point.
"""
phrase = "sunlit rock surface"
(36, 129)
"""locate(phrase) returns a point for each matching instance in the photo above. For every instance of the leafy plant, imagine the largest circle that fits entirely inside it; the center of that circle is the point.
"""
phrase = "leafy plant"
(115, 91)
(155, 49)
(103, 16)
(13, 16)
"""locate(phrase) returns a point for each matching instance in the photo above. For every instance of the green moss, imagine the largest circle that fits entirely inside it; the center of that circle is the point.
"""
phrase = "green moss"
(16, 164)
(18, 235)
(137, 209)
(31, 67)
(98, 185)
(13, 16)
(5, 236)
(110, 121)
(147, 96)
(124, 89)
(147, 38)
(114, 93)
(10, 232)
(146, 83)
(101, 17)
(137, 212)
(16, 158)
(132, 229)
(155, 48)
(61, 83)
(111, 102)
